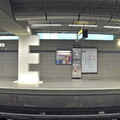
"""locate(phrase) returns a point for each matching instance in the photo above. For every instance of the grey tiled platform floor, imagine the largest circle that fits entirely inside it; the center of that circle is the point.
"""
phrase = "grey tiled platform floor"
(65, 85)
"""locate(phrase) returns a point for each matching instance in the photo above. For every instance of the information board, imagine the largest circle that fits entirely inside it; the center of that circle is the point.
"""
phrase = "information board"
(89, 60)
(63, 57)
(76, 67)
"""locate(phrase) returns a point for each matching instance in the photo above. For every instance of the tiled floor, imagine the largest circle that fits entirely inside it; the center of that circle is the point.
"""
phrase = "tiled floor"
(65, 85)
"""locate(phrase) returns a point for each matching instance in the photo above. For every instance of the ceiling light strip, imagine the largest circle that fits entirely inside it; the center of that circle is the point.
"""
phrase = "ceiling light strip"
(115, 27)
(75, 25)
(63, 36)
(45, 25)
(9, 37)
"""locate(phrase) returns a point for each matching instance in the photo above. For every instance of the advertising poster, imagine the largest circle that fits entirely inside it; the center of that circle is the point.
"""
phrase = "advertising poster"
(64, 57)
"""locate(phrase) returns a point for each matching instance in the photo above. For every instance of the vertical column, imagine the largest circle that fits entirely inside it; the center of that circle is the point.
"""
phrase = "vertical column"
(25, 58)
(76, 72)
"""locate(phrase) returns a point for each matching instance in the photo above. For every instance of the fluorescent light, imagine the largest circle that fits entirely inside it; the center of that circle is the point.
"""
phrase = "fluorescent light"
(2, 44)
(76, 25)
(100, 37)
(74, 36)
(116, 27)
(119, 43)
(9, 37)
(39, 25)
(58, 36)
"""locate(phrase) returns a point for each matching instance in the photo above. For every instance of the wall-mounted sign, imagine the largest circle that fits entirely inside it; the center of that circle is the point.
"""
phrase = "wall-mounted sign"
(63, 57)
(89, 60)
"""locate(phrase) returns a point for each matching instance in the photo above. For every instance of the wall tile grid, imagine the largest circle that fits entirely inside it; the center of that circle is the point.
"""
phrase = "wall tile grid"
(108, 63)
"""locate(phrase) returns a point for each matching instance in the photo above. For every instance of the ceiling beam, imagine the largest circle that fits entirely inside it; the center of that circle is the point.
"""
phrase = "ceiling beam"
(8, 23)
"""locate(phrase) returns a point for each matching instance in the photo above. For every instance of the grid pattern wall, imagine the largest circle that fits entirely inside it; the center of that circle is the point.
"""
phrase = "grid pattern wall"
(108, 63)
(9, 61)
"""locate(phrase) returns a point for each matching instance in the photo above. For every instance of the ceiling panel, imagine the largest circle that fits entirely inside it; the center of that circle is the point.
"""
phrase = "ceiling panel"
(61, 21)
(39, 22)
(53, 16)
(65, 12)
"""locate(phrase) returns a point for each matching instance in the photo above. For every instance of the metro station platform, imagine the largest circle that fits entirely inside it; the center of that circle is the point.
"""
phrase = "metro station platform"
(64, 85)
(64, 99)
